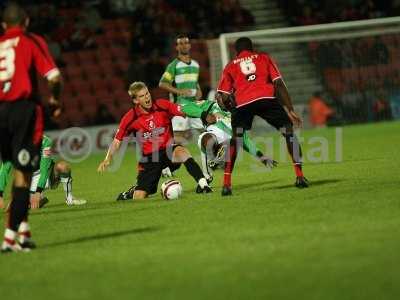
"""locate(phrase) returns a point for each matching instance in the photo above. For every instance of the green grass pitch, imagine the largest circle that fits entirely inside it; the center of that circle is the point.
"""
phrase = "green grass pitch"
(339, 239)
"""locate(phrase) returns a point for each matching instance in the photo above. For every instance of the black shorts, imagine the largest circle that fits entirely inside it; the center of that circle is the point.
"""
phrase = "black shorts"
(21, 131)
(268, 109)
(150, 171)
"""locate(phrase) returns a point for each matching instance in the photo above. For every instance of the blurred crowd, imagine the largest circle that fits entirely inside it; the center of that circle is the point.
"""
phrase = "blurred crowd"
(357, 73)
(351, 53)
(156, 23)
(73, 26)
(310, 12)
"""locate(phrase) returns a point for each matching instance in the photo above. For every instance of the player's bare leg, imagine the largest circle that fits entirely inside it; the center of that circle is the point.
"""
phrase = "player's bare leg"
(139, 195)
(208, 150)
(182, 155)
(235, 142)
(294, 149)
(17, 211)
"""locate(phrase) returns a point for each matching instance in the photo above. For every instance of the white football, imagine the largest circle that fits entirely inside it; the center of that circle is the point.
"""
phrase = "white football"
(171, 189)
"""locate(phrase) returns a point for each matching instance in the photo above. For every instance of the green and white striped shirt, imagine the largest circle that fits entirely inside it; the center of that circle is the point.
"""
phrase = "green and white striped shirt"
(185, 76)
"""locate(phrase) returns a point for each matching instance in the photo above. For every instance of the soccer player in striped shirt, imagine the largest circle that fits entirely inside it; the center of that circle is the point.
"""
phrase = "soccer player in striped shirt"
(181, 79)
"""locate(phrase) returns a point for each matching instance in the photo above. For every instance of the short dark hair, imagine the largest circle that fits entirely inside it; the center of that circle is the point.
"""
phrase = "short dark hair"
(181, 36)
(243, 43)
(14, 14)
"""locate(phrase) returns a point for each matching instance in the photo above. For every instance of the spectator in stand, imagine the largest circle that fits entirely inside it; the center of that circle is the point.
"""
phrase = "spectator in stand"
(381, 108)
(379, 52)
(91, 18)
(350, 13)
(320, 112)
(307, 17)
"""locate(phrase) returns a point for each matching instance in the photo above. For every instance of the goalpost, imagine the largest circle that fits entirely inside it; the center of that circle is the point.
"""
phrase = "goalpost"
(355, 65)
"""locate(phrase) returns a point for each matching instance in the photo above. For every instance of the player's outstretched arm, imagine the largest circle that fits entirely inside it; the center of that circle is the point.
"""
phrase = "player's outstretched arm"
(250, 147)
(192, 110)
(114, 147)
(283, 96)
(224, 100)
(199, 93)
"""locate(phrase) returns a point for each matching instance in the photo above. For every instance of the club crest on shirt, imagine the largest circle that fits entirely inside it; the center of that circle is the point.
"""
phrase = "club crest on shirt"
(151, 125)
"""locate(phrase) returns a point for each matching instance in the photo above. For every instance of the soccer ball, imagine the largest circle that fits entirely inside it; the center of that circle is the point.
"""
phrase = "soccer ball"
(171, 189)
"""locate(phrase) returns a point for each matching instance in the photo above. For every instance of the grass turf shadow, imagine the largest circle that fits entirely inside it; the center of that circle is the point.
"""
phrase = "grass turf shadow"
(102, 236)
(311, 183)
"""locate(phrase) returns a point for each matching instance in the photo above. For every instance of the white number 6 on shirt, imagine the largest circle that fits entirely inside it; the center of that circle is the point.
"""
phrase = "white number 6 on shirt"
(247, 67)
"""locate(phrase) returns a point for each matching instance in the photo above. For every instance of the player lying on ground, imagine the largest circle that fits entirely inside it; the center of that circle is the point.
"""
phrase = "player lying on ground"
(150, 121)
(49, 175)
(213, 142)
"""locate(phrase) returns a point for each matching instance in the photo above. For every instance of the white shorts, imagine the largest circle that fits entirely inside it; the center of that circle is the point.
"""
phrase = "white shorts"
(219, 134)
(51, 183)
(35, 181)
(183, 124)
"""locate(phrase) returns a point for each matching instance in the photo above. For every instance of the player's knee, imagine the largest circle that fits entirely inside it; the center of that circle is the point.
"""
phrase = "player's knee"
(207, 142)
(181, 154)
(62, 167)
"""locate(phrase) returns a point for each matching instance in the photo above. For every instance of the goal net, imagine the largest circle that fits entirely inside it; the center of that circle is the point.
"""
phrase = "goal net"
(354, 65)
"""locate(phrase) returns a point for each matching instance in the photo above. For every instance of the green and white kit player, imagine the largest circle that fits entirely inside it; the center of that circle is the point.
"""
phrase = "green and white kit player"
(50, 174)
(181, 79)
(215, 139)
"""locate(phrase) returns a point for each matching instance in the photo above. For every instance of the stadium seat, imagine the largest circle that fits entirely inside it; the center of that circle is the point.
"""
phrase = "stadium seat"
(116, 84)
(74, 72)
(75, 115)
(120, 53)
(80, 86)
(93, 72)
(102, 41)
(122, 65)
(110, 24)
(87, 56)
(104, 96)
(70, 58)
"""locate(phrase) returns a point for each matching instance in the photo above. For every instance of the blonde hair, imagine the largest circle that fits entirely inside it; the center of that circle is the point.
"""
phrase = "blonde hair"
(136, 87)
